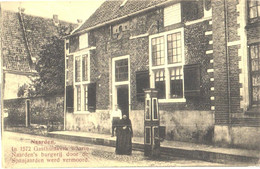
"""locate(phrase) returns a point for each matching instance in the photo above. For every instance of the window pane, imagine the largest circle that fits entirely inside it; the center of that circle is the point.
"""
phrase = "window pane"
(160, 83)
(253, 12)
(121, 70)
(85, 68)
(78, 98)
(176, 82)
(158, 51)
(85, 97)
(255, 73)
(174, 50)
(77, 69)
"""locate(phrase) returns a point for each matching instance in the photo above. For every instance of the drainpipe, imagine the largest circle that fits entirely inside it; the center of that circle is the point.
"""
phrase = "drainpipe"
(20, 13)
(227, 61)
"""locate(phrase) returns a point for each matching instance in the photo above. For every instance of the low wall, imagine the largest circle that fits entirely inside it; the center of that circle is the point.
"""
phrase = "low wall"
(191, 126)
(97, 122)
(243, 137)
(43, 110)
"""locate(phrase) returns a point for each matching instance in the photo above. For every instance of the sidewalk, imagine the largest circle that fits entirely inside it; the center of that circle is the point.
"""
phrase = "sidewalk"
(172, 148)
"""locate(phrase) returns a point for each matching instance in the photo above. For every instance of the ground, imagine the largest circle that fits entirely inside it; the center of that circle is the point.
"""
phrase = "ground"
(24, 150)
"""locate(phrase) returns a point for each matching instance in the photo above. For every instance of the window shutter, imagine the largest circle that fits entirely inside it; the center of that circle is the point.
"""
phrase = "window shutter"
(142, 82)
(92, 97)
(192, 80)
(172, 14)
(69, 99)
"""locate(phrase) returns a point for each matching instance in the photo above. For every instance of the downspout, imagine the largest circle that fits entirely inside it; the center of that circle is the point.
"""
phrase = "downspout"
(65, 94)
(25, 38)
(227, 61)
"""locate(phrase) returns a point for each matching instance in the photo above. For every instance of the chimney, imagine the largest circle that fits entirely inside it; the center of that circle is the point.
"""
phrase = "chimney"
(21, 10)
(55, 20)
(79, 21)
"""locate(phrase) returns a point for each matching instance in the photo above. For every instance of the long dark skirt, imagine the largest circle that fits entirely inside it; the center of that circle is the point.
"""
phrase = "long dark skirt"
(124, 142)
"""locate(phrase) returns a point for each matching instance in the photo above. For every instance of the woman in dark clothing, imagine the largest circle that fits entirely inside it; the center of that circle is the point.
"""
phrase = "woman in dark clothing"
(124, 134)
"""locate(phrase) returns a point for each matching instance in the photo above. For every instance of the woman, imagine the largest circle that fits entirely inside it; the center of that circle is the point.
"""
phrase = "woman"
(124, 134)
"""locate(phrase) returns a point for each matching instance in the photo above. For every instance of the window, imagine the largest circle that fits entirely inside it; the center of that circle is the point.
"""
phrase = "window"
(207, 5)
(85, 68)
(83, 41)
(174, 48)
(69, 99)
(77, 69)
(176, 82)
(85, 97)
(255, 73)
(81, 68)
(172, 14)
(160, 83)
(254, 9)
(167, 70)
(81, 82)
(158, 51)
(121, 70)
(78, 98)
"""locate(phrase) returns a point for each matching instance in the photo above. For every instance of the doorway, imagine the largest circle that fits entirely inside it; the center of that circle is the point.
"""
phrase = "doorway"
(28, 113)
(123, 99)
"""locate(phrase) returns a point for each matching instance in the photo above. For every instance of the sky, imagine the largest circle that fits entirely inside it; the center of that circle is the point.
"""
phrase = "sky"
(66, 10)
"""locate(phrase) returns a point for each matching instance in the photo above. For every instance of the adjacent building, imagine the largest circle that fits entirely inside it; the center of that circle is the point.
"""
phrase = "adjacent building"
(22, 39)
(202, 57)
(23, 36)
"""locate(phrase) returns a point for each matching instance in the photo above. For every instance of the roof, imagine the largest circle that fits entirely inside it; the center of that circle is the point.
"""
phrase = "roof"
(14, 42)
(111, 10)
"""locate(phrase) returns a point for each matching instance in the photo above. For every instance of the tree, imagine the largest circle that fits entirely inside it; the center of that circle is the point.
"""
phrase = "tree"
(50, 67)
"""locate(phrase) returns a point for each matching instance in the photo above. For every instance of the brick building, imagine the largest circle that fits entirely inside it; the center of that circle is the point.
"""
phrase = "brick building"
(195, 53)
(23, 36)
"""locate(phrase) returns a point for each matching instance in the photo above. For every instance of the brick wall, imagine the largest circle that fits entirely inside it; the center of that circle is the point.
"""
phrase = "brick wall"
(220, 67)
(43, 110)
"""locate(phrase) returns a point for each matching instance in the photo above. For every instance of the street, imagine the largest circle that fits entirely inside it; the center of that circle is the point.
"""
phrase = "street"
(23, 150)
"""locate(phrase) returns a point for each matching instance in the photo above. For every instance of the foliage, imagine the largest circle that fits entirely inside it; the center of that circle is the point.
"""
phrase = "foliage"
(50, 68)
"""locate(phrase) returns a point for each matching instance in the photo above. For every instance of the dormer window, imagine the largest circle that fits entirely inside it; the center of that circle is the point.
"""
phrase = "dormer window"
(172, 14)
(83, 41)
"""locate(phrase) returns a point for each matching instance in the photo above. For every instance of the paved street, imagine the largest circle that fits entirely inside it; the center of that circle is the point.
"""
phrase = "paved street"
(23, 150)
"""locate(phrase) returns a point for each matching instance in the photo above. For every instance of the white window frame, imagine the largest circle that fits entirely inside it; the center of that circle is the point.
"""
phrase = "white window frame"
(166, 67)
(116, 84)
(81, 83)
(83, 41)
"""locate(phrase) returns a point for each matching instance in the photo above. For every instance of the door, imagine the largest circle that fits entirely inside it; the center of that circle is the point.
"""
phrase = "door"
(28, 112)
(123, 99)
